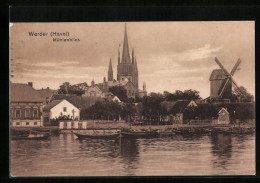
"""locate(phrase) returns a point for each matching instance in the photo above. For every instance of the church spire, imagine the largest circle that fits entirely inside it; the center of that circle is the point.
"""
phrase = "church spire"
(110, 71)
(136, 65)
(133, 57)
(125, 54)
(118, 55)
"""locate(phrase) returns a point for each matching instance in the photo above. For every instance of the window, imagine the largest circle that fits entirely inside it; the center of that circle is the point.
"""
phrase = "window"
(27, 123)
(35, 113)
(35, 123)
(27, 113)
(64, 109)
(17, 123)
(18, 113)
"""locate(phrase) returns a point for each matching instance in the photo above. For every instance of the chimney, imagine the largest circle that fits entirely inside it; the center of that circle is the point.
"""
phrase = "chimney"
(48, 88)
(30, 84)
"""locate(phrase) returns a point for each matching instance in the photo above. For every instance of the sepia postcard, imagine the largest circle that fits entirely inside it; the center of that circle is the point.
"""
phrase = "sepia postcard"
(132, 98)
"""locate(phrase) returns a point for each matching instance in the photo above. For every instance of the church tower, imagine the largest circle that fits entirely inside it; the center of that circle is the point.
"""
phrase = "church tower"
(110, 71)
(127, 67)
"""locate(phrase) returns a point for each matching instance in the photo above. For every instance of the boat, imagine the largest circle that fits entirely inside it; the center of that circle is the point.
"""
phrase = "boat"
(138, 134)
(39, 136)
(98, 134)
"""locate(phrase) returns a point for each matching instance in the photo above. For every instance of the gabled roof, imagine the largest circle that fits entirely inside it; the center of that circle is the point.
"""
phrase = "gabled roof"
(52, 104)
(217, 74)
(223, 109)
(168, 104)
(180, 106)
(24, 93)
(78, 101)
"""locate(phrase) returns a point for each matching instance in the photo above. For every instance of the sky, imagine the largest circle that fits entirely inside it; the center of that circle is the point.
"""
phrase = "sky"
(170, 55)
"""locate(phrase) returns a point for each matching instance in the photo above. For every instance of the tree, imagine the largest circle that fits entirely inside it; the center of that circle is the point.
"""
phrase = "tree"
(64, 88)
(128, 112)
(120, 92)
(67, 88)
(179, 95)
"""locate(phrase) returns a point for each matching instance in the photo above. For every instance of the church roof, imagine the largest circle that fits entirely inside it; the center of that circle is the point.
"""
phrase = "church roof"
(125, 54)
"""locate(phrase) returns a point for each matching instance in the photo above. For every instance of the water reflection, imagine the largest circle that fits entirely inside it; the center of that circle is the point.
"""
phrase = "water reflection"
(65, 155)
(99, 147)
(221, 148)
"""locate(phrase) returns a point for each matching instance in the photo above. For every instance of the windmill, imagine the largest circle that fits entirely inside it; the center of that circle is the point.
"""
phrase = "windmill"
(222, 81)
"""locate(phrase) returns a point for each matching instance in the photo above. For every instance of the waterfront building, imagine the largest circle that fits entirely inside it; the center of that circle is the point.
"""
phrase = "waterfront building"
(25, 105)
(223, 116)
(177, 110)
(60, 109)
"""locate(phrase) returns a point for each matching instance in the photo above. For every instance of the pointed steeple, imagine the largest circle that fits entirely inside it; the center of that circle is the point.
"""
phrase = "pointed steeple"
(110, 71)
(110, 65)
(144, 86)
(118, 55)
(133, 56)
(136, 65)
(125, 54)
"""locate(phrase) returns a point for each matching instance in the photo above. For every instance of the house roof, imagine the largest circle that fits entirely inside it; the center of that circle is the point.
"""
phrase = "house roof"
(217, 74)
(24, 93)
(180, 106)
(168, 104)
(223, 109)
(78, 101)
(46, 93)
(52, 104)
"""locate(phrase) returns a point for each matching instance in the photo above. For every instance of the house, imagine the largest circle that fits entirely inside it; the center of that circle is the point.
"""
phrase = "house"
(223, 116)
(93, 91)
(179, 110)
(60, 109)
(25, 105)
(130, 88)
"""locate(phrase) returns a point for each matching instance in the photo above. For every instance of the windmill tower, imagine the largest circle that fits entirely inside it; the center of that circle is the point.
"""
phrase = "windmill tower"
(221, 82)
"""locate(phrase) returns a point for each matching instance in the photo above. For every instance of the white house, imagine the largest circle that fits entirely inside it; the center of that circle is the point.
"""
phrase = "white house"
(60, 108)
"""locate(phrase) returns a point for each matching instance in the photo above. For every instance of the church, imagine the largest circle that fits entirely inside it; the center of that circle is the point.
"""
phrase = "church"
(127, 72)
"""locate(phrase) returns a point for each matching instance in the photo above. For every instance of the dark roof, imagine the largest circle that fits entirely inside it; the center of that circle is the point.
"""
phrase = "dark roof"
(180, 106)
(51, 105)
(168, 104)
(217, 74)
(24, 93)
(78, 101)
(46, 93)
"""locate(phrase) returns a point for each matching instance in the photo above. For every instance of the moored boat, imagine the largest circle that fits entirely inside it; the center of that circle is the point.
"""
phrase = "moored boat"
(98, 134)
(138, 134)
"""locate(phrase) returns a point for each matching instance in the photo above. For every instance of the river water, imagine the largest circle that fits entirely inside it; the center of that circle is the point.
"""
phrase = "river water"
(65, 155)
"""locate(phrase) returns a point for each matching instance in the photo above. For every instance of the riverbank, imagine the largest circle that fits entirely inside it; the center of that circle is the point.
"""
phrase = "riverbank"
(126, 126)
